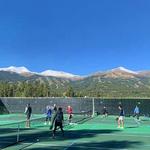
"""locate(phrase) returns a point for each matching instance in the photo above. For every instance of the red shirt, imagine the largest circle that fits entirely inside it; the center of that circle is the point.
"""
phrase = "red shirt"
(69, 110)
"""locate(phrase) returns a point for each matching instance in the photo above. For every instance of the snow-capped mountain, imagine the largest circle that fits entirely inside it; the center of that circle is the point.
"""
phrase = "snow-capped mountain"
(16, 69)
(47, 73)
(113, 73)
(58, 74)
(119, 72)
(124, 70)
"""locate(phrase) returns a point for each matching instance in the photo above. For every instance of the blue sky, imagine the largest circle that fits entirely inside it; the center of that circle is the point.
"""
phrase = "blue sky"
(76, 36)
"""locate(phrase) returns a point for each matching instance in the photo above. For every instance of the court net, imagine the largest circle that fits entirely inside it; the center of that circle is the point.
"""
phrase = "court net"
(13, 132)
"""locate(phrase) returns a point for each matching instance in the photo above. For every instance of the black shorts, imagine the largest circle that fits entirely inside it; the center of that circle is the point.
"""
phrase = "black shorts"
(105, 112)
(28, 116)
(58, 124)
(70, 116)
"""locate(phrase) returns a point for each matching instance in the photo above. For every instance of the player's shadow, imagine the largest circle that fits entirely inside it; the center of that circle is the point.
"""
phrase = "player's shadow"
(131, 127)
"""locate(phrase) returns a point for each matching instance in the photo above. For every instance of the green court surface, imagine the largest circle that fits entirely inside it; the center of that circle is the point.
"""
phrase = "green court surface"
(93, 133)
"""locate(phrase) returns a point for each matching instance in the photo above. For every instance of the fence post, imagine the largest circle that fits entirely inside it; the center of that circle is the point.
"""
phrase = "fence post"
(93, 105)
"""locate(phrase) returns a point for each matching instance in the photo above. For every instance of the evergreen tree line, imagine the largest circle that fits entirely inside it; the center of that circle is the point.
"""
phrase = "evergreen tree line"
(42, 89)
(33, 89)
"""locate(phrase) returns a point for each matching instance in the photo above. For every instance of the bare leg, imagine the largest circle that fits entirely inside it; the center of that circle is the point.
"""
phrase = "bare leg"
(29, 123)
(118, 123)
(122, 122)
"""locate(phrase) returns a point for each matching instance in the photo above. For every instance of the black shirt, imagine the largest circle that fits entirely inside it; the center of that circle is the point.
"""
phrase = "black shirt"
(29, 110)
(121, 112)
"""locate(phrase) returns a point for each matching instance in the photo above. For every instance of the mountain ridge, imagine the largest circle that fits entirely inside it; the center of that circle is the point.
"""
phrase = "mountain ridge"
(116, 72)
(117, 82)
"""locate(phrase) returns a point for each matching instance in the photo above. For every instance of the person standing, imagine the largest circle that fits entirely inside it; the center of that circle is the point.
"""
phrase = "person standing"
(105, 112)
(28, 112)
(69, 112)
(48, 115)
(121, 117)
(57, 121)
(136, 112)
(55, 108)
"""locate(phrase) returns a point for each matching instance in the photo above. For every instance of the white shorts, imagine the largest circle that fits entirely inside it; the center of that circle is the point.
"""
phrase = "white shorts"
(121, 118)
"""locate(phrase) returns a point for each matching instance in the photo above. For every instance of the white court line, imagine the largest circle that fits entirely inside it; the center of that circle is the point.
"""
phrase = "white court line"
(98, 148)
(70, 145)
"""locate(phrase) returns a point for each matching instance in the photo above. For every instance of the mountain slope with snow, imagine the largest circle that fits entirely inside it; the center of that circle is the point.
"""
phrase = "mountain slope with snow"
(48, 73)
(119, 72)
(16, 69)
(124, 70)
(58, 74)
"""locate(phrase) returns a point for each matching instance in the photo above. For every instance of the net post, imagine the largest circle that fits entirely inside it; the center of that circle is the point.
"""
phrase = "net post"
(93, 105)
(18, 133)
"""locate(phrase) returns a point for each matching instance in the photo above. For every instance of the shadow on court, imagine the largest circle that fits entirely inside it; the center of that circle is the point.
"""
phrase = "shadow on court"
(106, 145)
(75, 135)
(46, 135)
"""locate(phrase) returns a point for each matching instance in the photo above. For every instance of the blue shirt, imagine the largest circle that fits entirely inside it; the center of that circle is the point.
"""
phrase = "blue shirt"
(136, 110)
(48, 112)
